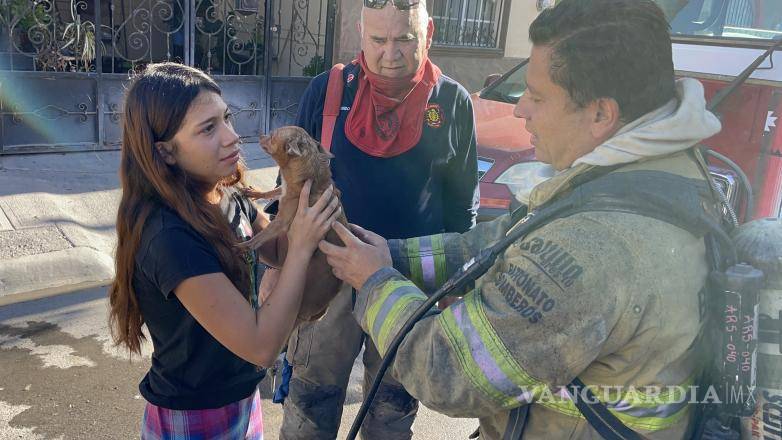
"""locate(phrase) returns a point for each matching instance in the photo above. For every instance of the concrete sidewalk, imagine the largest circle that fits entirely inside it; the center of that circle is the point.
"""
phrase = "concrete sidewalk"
(57, 219)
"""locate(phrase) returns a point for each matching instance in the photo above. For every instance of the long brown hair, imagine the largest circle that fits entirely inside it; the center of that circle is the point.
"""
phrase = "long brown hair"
(155, 106)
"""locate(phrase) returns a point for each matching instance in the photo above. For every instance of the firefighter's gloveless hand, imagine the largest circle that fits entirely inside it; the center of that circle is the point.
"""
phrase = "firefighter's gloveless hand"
(364, 254)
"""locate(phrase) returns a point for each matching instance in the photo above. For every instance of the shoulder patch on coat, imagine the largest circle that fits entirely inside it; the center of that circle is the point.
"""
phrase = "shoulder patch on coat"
(434, 116)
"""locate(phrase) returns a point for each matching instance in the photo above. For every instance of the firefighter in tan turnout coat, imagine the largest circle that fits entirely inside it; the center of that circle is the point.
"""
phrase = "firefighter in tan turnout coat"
(608, 297)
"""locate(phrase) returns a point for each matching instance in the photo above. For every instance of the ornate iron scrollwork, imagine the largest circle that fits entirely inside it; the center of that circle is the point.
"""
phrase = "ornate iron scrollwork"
(52, 113)
(114, 113)
(285, 102)
(229, 37)
(141, 28)
(48, 36)
(251, 110)
(222, 37)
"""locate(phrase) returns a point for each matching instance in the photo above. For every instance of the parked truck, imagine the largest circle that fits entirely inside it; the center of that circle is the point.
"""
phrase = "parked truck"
(713, 41)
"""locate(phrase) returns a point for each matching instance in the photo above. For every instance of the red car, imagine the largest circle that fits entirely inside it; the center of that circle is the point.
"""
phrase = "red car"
(506, 159)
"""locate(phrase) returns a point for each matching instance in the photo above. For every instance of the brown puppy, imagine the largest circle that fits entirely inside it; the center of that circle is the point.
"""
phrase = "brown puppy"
(300, 158)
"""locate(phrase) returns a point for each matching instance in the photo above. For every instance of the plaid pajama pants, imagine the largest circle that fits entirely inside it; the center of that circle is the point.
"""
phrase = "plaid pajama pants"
(240, 420)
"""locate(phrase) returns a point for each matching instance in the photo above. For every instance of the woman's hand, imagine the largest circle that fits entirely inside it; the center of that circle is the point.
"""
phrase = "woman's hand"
(311, 223)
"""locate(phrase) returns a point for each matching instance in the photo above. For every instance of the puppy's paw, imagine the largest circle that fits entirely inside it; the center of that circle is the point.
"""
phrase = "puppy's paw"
(254, 194)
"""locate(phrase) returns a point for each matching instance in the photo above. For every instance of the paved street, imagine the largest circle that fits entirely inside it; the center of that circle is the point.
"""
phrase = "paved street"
(62, 379)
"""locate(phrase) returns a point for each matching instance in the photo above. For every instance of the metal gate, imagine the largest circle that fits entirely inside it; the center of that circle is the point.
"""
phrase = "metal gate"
(64, 64)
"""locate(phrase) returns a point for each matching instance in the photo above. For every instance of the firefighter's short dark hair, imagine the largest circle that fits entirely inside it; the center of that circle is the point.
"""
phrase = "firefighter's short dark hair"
(618, 49)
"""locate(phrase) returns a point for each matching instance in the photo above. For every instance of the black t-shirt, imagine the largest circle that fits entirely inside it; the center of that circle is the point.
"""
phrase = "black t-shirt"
(190, 369)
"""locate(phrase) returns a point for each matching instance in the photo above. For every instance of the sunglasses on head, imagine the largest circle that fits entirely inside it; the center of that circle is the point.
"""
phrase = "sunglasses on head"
(402, 5)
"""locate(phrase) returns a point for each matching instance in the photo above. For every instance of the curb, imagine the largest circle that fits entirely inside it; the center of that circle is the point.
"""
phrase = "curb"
(50, 292)
(55, 273)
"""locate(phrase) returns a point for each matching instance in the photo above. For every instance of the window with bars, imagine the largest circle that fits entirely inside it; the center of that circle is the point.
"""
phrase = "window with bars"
(469, 23)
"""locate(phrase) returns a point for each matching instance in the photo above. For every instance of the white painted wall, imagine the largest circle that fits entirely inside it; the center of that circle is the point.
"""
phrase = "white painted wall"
(522, 13)
(721, 60)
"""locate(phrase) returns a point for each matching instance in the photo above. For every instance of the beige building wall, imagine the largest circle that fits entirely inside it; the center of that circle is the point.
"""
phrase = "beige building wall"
(469, 67)
(522, 12)
(347, 40)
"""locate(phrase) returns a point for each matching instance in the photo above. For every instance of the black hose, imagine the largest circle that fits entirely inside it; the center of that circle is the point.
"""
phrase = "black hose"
(749, 206)
(734, 220)
(389, 357)
(721, 96)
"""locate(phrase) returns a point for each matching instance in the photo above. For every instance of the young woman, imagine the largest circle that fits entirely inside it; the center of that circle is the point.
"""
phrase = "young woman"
(180, 268)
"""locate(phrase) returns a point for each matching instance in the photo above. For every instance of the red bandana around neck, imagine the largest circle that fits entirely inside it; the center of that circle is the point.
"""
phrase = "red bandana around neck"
(387, 115)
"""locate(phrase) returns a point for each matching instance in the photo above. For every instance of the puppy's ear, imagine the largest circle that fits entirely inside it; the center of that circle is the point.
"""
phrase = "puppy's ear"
(323, 152)
(301, 143)
(166, 151)
(296, 145)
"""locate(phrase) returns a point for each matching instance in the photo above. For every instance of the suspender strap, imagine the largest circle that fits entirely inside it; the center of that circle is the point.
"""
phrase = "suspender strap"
(598, 415)
(332, 105)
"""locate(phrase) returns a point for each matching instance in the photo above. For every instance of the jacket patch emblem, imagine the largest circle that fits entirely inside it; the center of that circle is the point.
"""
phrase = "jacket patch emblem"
(434, 116)
(351, 77)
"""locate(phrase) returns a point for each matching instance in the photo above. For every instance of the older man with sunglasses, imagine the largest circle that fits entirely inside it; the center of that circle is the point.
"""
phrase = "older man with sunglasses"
(405, 161)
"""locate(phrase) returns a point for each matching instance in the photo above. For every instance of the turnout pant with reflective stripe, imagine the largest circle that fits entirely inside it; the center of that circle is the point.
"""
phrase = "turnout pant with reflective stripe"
(322, 354)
